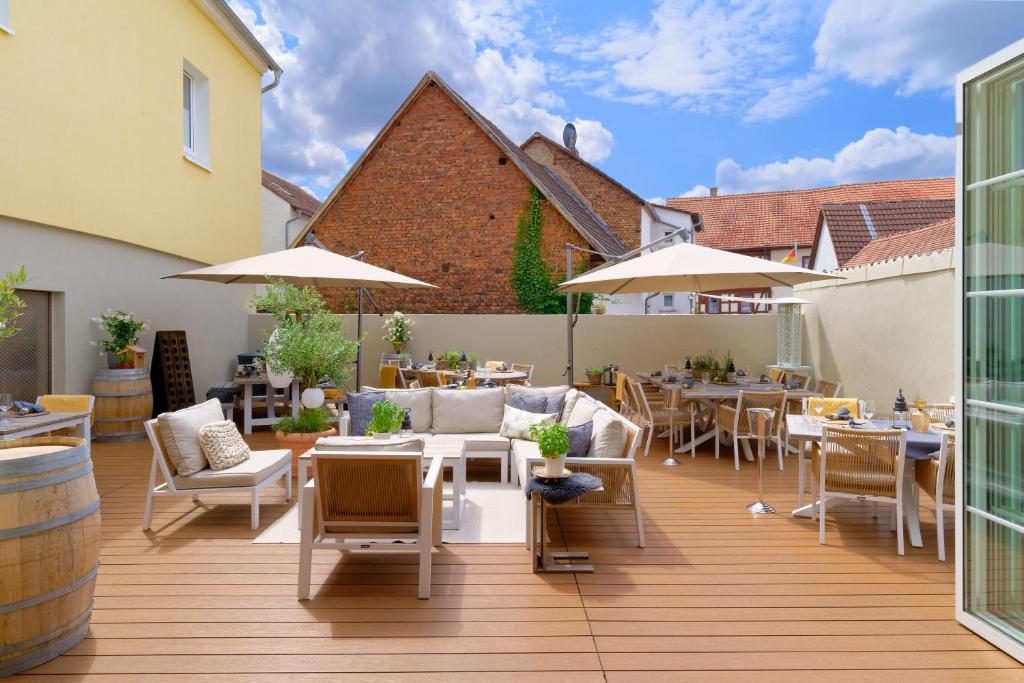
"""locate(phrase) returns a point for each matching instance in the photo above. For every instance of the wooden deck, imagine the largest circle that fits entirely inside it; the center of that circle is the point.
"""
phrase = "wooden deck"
(716, 596)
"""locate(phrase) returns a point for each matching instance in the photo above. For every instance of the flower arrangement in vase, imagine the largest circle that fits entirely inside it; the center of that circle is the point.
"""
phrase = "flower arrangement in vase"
(398, 330)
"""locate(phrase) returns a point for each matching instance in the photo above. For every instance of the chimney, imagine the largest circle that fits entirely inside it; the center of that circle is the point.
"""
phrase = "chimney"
(569, 138)
(714, 191)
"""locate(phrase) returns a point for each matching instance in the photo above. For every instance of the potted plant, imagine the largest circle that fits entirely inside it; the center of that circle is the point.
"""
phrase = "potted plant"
(553, 441)
(398, 332)
(449, 360)
(284, 302)
(10, 303)
(124, 330)
(595, 374)
(387, 420)
(705, 364)
(312, 345)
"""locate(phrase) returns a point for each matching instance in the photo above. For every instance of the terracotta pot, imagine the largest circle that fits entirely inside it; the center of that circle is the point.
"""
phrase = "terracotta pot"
(299, 443)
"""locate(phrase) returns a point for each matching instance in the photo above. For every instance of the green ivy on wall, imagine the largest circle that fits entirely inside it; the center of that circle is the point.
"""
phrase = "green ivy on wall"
(534, 288)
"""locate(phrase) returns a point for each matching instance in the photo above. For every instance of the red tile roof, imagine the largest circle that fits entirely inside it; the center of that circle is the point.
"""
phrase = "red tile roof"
(852, 226)
(778, 219)
(299, 199)
(935, 237)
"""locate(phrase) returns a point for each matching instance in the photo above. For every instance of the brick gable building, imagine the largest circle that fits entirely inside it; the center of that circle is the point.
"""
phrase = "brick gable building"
(437, 196)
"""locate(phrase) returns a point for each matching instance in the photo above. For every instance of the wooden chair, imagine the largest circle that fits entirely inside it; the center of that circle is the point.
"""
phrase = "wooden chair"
(620, 399)
(803, 380)
(528, 369)
(828, 388)
(252, 476)
(828, 407)
(777, 375)
(366, 501)
(389, 377)
(940, 412)
(939, 476)
(861, 464)
(734, 422)
(669, 415)
(70, 403)
(494, 364)
(429, 378)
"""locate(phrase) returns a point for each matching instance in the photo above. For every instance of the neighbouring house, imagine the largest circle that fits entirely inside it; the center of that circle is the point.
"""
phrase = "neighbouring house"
(141, 161)
(771, 224)
(438, 194)
(937, 237)
(286, 209)
(843, 230)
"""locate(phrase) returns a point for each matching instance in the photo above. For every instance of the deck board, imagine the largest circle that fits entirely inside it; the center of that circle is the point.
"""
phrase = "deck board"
(715, 596)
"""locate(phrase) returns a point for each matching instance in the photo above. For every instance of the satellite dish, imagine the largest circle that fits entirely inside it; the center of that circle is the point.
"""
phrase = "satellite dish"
(569, 137)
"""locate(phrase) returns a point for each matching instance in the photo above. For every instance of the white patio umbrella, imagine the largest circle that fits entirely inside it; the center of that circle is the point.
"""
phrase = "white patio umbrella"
(308, 266)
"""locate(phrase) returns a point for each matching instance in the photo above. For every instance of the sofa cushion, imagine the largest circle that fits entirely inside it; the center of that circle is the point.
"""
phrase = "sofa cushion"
(582, 410)
(418, 402)
(609, 435)
(513, 389)
(521, 451)
(222, 445)
(458, 411)
(179, 432)
(259, 466)
(516, 423)
(579, 440)
(360, 410)
(537, 403)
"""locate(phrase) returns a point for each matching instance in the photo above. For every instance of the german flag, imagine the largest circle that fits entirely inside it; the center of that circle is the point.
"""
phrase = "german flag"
(791, 256)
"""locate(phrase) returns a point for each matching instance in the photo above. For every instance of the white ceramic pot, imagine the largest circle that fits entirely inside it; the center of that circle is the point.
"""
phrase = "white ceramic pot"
(312, 397)
(278, 380)
(553, 467)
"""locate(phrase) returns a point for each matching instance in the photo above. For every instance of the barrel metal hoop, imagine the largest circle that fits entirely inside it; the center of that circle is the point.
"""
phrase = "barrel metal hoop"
(104, 395)
(37, 465)
(30, 484)
(73, 634)
(18, 531)
(52, 595)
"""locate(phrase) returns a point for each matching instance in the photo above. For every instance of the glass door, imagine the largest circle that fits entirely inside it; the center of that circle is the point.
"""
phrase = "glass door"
(990, 501)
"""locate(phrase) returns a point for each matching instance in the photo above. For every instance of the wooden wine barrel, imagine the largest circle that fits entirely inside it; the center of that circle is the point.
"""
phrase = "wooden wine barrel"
(124, 401)
(49, 548)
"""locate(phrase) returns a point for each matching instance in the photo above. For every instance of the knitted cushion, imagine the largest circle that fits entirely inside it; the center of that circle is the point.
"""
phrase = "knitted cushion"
(222, 445)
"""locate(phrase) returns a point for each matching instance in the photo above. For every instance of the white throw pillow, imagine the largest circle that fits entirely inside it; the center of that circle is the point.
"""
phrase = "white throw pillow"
(608, 439)
(180, 434)
(465, 411)
(516, 423)
(571, 397)
(222, 445)
(582, 411)
(418, 402)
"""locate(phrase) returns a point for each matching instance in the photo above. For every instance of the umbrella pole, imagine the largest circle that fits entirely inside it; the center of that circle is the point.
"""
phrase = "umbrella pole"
(568, 312)
(359, 337)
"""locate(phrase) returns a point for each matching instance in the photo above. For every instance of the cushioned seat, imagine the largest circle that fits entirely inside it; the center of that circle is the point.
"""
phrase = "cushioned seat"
(259, 466)
(522, 450)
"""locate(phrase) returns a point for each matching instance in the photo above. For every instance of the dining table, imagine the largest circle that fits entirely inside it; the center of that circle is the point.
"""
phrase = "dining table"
(921, 446)
(708, 396)
(31, 425)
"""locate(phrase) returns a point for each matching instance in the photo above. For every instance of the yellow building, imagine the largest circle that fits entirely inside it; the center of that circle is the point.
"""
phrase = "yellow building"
(129, 150)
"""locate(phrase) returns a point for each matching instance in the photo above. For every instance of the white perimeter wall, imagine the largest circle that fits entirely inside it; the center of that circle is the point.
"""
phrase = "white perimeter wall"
(88, 274)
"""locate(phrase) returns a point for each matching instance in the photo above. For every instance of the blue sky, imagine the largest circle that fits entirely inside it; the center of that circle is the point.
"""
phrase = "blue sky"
(669, 97)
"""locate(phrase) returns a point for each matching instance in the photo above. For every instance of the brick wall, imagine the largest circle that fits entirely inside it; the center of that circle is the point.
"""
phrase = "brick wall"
(433, 202)
(619, 208)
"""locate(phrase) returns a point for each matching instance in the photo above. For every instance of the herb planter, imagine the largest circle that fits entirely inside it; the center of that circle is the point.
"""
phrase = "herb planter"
(554, 466)
(595, 377)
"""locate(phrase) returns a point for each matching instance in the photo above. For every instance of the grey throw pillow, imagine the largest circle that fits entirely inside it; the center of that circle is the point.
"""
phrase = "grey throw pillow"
(579, 440)
(530, 403)
(360, 410)
(555, 404)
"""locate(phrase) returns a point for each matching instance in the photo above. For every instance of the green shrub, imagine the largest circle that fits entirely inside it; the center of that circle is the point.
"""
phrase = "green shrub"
(311, 421)
(552, 438)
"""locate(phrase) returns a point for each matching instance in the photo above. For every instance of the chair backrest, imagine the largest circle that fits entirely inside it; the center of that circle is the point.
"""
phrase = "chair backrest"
(830, 405)
(776, 400)
(940, 412)
(388, 377)
(429, 378)
(803, 380)
(415, 384)
(494, 364)
(777, 375)
(620, 387)
(674, 370)
(520, 367)
(69, 403)
(864, 462)
(638, 398)
(156, 440)
(373, 491)
(828, 388)
(946, 475)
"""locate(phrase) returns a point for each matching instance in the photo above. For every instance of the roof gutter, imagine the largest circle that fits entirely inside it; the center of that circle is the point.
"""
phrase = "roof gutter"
(277, 79)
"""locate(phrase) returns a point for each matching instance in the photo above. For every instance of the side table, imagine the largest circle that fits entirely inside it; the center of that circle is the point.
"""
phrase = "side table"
(545, 493)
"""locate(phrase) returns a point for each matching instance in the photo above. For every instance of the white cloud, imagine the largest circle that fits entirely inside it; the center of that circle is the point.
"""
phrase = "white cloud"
(881, 154)
(919, 45)
(788, 98)
(694, 54)
(348, 68)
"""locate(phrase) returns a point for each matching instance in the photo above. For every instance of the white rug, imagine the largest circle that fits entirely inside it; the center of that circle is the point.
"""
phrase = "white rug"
(494, 513)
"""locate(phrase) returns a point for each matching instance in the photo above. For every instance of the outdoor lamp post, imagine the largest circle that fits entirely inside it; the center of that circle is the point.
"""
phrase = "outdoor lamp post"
(760, 420)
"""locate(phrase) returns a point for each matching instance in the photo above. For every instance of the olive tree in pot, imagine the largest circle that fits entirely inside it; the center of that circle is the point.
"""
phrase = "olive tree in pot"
(312, 345)
(553, 441)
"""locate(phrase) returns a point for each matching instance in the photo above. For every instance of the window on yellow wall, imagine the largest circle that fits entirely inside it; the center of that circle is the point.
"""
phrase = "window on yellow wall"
(195, 108)
(5, 18)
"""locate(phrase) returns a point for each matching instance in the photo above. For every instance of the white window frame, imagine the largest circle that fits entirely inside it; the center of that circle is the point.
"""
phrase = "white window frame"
(199, 117)
(993, 61)
(5, 18)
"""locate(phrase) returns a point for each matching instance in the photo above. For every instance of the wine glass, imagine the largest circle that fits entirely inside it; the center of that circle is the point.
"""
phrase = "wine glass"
(818, 407)
(5, 404)
(704, 381)
(868, 410)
